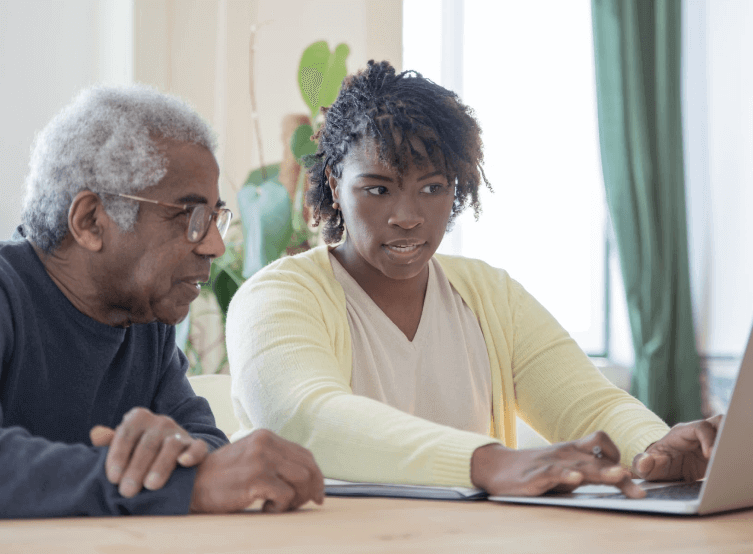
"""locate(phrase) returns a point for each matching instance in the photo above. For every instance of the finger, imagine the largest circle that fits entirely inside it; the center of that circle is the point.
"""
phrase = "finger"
(300, 478)
(607, 449)
(164, 464)
(297, 466)
(653, 467)
(597, 471)
(629, 488)
(276, 493)
(548, 478)
(716, 421)
(195, 453)
(612, 474)
(101, 435)
(570, 480)
(706, 434)
(144, 454)
(643, 465)
(316, 478)
(621, 478)
(127, 434)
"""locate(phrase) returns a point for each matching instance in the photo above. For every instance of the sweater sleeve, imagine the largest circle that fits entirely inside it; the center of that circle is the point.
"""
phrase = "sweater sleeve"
(175, 397)
(559, 391)
(289, 356)
(42, 478)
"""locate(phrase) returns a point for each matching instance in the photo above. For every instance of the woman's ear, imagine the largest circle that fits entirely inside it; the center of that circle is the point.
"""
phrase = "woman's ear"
(332, 182)
(86, 220)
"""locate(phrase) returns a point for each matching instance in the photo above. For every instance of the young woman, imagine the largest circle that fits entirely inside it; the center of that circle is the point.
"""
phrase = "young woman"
(392, 364)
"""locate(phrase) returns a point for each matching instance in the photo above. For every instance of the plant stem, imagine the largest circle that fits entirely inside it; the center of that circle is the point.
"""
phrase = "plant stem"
(252, 94)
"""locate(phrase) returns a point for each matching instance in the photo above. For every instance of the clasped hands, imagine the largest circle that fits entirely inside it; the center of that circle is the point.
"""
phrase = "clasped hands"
(682, 454)
(145, 449)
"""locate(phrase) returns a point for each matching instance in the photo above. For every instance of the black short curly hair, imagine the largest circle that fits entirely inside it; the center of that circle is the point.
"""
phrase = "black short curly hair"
(393, 109)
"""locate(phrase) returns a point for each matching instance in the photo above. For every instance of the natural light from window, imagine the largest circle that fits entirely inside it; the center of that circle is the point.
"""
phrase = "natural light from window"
(528, 74)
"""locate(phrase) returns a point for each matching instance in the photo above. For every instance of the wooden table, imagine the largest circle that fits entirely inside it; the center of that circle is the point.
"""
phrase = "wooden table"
(390, 526)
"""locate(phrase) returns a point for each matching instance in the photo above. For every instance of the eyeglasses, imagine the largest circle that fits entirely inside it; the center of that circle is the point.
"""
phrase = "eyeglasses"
(200, 216)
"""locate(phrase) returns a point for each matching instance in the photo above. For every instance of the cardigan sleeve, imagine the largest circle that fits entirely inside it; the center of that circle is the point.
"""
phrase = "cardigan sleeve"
(289, 352)
(559, 391)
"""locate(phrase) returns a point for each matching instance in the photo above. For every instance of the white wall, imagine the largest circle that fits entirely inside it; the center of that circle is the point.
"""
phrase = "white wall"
(198, 49)
(46, 55)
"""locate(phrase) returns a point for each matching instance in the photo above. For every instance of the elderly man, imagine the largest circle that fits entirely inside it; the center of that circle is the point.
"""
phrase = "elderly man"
(121, 221)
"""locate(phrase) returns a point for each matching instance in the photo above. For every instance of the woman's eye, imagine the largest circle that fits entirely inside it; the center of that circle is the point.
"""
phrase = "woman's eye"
(377, 190)
(432, 189)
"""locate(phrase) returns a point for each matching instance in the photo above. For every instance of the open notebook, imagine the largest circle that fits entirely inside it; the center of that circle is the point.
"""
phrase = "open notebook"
(333, 487)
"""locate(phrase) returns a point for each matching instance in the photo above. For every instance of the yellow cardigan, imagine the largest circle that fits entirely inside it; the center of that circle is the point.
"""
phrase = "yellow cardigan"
(289, 347)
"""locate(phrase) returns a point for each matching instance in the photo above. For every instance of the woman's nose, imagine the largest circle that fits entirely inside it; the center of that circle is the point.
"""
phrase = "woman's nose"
(406, 214)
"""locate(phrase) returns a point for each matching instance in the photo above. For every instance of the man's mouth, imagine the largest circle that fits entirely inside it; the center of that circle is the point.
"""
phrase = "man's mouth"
(196, 281)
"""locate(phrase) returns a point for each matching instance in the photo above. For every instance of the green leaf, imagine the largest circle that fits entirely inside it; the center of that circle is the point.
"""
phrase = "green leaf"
(265, 212)
(256, 177)
(224, 286)
(334, 79)
(320, 74)
(301, 143)
(225, 279)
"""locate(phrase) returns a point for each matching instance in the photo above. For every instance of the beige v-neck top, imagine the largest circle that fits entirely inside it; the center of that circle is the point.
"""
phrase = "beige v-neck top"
(443, 375)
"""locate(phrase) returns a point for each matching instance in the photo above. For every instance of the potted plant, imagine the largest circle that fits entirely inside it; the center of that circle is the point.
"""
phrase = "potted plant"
(273, 220)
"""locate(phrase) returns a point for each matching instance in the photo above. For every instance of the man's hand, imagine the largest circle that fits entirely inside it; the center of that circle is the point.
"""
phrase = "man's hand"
(682, 454)
(560, 467)
(260, 466)
(144, 450)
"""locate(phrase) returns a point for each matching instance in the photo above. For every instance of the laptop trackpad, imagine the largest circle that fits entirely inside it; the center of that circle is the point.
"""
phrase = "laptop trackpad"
(654, 491)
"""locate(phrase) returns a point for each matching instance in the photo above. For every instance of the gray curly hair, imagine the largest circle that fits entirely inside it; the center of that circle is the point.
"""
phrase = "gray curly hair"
(104, 141)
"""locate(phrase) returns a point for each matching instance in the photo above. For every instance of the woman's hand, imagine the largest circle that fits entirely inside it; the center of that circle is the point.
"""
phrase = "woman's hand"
(560, 467)
(682, 454)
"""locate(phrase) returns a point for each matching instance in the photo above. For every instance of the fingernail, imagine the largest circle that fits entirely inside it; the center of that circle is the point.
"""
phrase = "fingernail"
(614, 472)
(128, 488)
(151, 480)
(573, 476)
(185, 459)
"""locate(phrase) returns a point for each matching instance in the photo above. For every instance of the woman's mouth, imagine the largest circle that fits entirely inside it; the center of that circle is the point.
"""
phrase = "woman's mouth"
(404, 252)
(403, 249)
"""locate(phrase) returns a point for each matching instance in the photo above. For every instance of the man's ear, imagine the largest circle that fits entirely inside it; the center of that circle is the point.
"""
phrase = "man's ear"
(86, 220)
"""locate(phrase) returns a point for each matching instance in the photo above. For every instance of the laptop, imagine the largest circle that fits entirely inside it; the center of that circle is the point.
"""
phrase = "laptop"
(728, 484)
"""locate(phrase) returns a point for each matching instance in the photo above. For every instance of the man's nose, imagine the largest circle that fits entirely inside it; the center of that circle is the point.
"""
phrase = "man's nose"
(212, 244)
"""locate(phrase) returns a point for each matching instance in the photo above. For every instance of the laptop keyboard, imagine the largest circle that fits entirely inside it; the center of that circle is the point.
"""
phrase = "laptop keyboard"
(679, 491)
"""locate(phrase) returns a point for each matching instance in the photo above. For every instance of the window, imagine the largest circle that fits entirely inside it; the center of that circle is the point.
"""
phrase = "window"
(526, 68)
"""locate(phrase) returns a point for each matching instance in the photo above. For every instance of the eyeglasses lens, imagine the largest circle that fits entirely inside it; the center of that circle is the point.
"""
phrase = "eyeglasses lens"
(201, 217)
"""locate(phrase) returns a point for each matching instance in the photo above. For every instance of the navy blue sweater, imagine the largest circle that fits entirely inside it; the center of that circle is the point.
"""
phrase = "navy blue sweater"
(61, 374)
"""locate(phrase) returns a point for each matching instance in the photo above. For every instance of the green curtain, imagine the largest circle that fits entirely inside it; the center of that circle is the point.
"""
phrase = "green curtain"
(637, 55)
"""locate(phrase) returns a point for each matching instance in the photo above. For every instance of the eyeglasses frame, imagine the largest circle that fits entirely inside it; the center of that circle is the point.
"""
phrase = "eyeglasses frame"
(188, 208)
